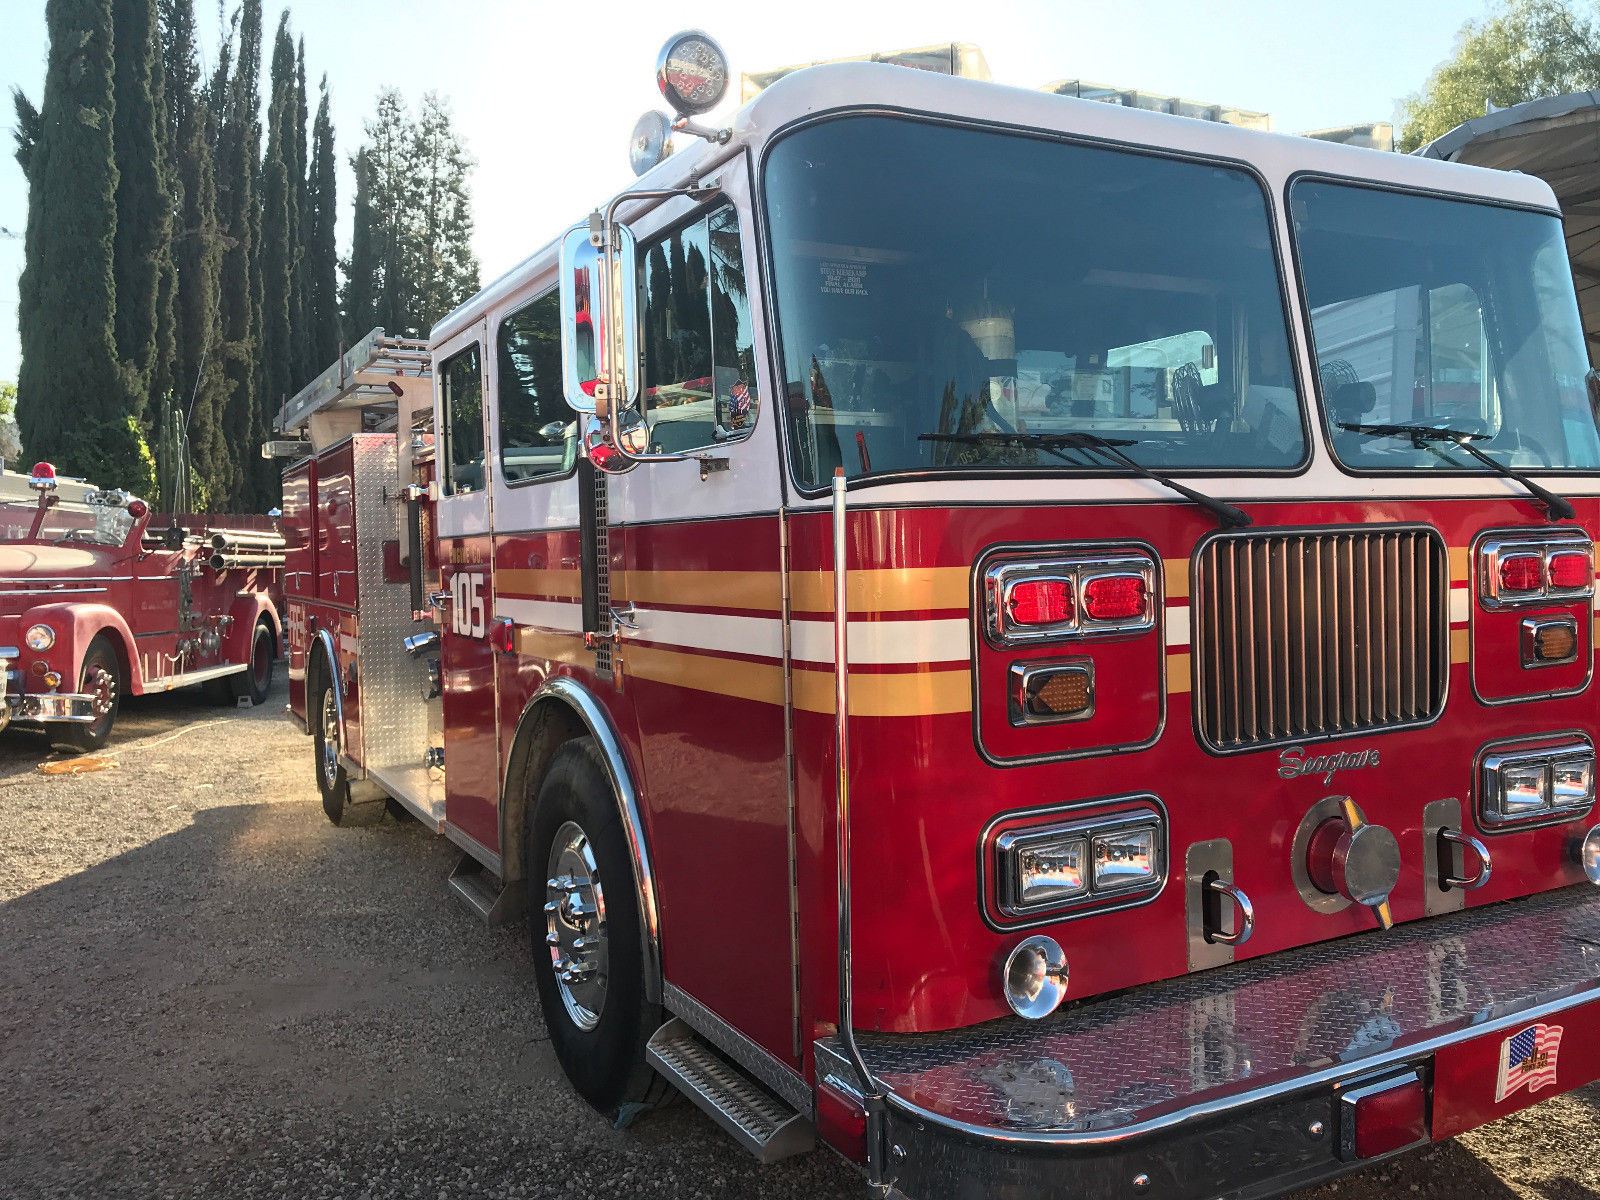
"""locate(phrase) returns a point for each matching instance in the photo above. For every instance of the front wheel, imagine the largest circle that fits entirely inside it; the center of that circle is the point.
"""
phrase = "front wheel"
(332, 781)
(257, 680)
(101, 677)
(588, 948)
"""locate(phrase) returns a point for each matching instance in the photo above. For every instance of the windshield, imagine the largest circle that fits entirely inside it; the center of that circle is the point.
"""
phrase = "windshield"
(933, 280)
(1426, 311)
(92, 524)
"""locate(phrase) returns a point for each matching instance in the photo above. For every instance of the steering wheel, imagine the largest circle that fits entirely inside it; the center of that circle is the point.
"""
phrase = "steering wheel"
(1531, 444)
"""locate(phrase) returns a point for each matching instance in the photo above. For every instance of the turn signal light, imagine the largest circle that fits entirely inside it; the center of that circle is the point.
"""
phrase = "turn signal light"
(1555, 641)
(1115, 597)
(1040, 601)
(1570, 571)
(1521, 573)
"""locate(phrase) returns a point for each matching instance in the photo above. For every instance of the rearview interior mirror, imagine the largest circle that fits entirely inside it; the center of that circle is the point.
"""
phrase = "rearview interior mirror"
(586, 316)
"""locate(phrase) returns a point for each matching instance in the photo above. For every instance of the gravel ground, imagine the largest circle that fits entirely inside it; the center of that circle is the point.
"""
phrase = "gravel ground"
(207, 990)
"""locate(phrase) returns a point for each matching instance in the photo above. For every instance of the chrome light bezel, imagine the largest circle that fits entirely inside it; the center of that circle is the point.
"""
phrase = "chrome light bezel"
(1075, 570)
(39, 638)
(1493, 550)
(1009, 846)
(1495, 812)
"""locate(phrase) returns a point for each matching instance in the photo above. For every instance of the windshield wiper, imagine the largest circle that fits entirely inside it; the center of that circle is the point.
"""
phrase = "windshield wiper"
(1108, 450)
(1557, 508)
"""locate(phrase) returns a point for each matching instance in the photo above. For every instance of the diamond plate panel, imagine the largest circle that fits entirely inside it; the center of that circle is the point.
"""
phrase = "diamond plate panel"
(395, 720)
(1134, 1057)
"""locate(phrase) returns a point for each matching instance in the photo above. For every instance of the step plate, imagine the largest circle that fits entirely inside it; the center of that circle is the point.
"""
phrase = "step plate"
(1161, 1049)
(760, 1122)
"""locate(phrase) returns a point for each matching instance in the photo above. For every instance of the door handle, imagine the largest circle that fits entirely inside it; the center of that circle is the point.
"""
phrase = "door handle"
(627, 616)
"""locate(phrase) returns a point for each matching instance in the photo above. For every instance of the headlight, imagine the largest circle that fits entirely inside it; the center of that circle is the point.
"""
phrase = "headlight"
(40, 637)
(1061, 866)
(1537, 786)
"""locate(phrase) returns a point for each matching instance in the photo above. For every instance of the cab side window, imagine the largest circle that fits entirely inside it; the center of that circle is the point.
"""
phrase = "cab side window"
(535, 422)
(699, 361)
(461, 387)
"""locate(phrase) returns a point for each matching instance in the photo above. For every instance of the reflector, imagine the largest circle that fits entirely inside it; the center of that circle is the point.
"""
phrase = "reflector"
(1381, 1118)
(1570, 570)
(1521, 573)
(1040, 601)
(1115, 597)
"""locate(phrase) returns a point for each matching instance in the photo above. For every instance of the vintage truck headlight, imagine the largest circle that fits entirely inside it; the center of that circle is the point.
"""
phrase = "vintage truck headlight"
(1063, 866)
(39, 637)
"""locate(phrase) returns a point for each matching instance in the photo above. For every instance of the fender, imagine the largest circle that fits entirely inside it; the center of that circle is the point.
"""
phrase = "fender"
(77, 625)
(246, 610)
(320, 648)
(577, 701)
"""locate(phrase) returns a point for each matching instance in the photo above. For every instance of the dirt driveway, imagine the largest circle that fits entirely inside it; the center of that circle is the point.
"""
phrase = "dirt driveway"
(207, 990)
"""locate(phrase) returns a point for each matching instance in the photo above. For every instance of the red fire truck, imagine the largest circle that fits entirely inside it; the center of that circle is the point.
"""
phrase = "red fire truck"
(1045, 646)
(101, 599)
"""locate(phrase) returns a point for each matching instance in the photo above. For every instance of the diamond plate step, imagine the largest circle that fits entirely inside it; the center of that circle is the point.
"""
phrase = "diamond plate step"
(760, 1122)
(482, 893)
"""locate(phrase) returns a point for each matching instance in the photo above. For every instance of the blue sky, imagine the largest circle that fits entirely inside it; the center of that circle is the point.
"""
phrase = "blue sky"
(546, 103)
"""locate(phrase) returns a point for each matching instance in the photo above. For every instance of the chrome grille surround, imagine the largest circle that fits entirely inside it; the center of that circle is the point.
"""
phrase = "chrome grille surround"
(1314, 633)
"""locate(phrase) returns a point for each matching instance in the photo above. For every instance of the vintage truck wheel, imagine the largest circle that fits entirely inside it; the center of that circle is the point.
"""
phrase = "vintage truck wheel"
(587, 949)
(257, 681)
(332, 781)
(101, 678)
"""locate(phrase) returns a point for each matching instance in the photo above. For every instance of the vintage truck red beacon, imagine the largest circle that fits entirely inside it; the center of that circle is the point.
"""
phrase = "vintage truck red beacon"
(101, 599)
(1045, 646)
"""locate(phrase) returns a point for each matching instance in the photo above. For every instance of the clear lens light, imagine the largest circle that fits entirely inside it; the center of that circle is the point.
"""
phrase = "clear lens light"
(40, 637)
(1125, 858)
(1572, 782)
(1050, 871)
(1524, 789)
(1589, 854)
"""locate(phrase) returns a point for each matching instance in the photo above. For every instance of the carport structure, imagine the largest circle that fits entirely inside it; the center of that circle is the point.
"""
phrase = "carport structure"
(1558, 139)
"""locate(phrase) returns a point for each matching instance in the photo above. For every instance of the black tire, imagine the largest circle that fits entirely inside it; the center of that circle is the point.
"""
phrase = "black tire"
(256, 681)
(332, 782)
(605, 1063)
(100, 675)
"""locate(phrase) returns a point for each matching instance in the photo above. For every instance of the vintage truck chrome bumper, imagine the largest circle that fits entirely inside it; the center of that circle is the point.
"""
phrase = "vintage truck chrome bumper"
(1238, 1081)
(49, 706)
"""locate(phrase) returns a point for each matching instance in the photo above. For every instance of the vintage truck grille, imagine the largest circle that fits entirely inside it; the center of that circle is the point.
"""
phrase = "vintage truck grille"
(1308, 633)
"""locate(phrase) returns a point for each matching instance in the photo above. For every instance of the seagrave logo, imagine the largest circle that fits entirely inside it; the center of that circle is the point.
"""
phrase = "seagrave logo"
(1295, 763)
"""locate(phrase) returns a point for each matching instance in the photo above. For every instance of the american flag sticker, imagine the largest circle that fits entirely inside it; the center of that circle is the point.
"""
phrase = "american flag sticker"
(1528, 1060)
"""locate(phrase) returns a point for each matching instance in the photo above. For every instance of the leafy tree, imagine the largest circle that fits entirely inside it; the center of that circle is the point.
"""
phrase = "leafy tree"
(74, 398)
(322, 254)
(142, 247)
(446, 267)
(10, 437)
(200, 385)
(1524, 50)
(235, 93)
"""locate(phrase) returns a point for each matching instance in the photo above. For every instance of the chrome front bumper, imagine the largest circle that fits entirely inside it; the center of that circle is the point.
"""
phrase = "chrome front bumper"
(1228, 1082)
(49, 707)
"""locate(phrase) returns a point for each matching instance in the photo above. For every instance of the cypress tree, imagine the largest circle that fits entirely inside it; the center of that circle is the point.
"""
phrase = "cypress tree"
(361, 272)
(200, 385)
(235, 91)
(300, 229)
(277, 229)
(322, 254)
(73, 397)
(144, 205)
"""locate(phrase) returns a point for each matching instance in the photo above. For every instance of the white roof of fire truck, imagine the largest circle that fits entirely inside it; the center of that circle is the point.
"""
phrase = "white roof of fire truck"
(843, 87)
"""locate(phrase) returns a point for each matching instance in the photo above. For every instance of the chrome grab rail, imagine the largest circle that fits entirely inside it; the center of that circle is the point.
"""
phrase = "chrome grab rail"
(1247, 914)
(1467, 842)
(871, 1093)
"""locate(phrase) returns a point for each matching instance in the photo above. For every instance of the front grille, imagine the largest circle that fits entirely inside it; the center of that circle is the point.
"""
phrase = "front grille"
(1307, 634)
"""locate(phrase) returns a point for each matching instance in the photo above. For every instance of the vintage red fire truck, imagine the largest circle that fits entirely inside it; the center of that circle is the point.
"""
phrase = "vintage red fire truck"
(101, 599)
(1045, 646)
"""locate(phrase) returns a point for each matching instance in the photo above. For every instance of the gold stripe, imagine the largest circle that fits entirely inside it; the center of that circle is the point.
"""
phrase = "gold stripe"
(1177, 673)
(1176, 571)
(909, 694)
(758, 590)
(1460, 647)
(886, 589)
(1460, 563)
(527, 582)
(557, 647)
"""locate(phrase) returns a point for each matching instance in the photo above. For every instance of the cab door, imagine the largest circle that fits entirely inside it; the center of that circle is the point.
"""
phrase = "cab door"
(466, 568)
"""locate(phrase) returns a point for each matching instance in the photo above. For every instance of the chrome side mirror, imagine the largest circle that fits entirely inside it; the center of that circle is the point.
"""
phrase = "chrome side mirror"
(597, 329)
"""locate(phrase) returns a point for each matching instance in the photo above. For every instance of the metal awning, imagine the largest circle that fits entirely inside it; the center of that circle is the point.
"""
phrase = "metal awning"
(1556, 138)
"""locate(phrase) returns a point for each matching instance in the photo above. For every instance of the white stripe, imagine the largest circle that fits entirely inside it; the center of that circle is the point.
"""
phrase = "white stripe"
(938, 641)
(563, 615)
(1178, 626)
(761, 636)
(1460, 605)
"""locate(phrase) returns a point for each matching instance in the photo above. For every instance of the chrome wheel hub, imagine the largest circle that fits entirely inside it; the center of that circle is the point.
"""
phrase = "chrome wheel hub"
(575, 926)
(330, 738)
(102, 685)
